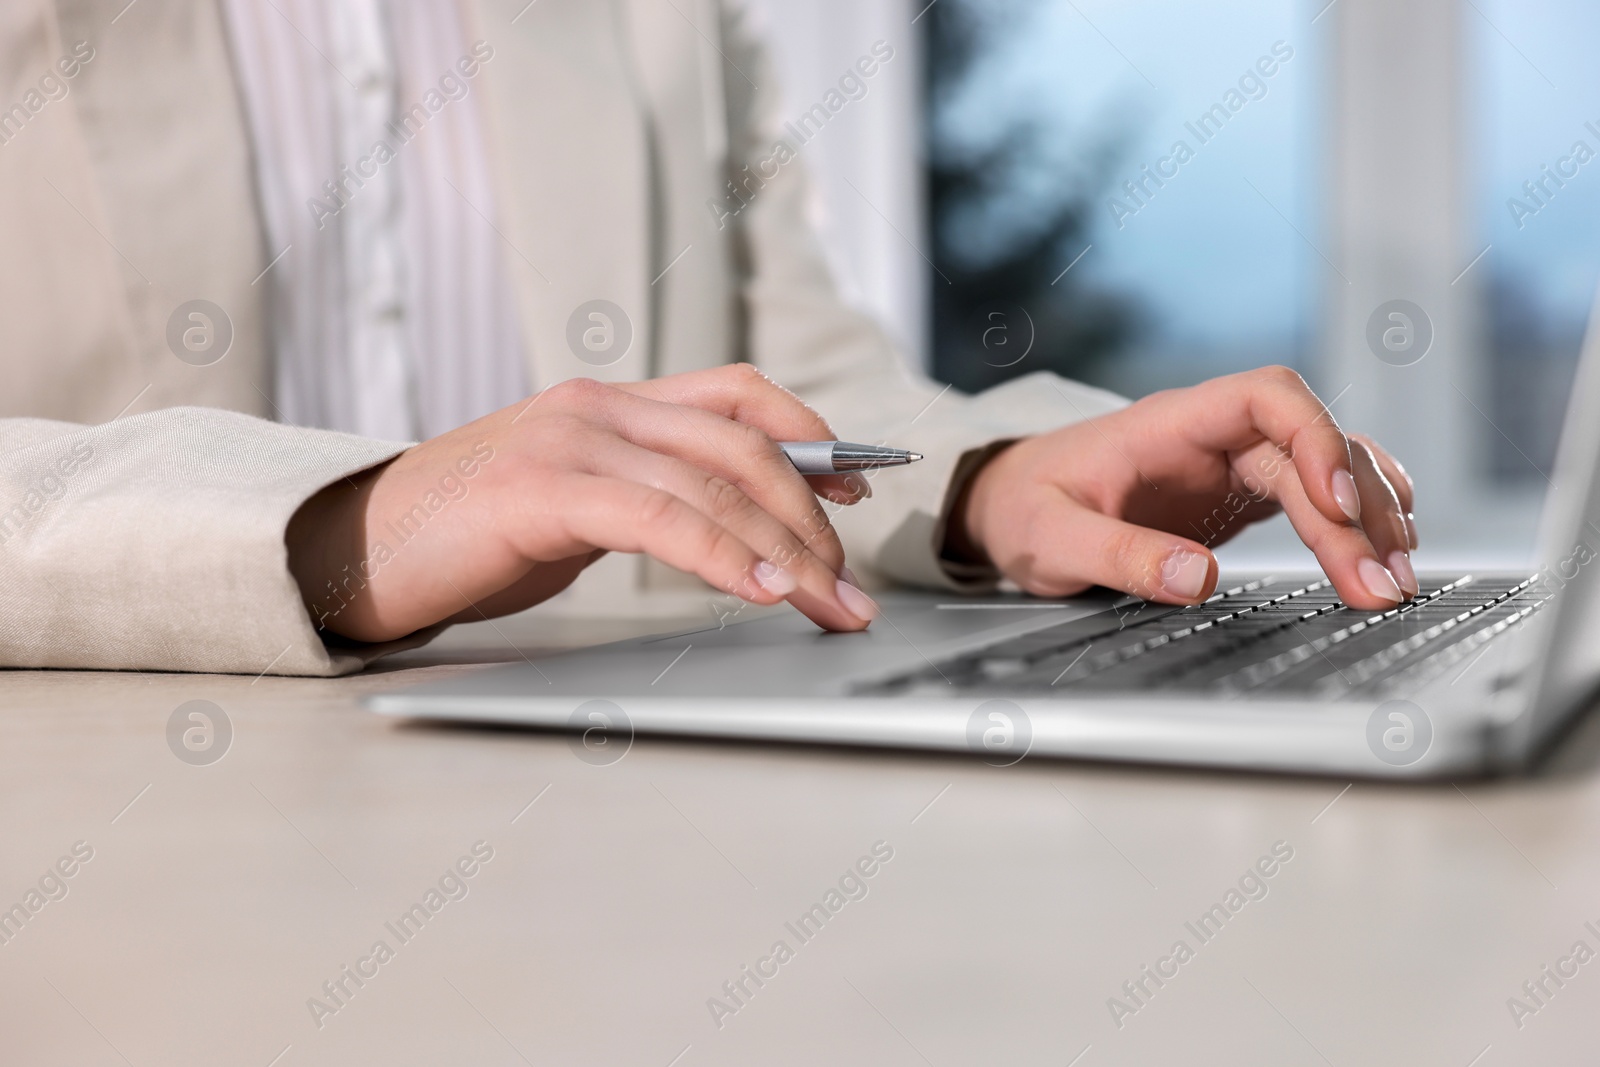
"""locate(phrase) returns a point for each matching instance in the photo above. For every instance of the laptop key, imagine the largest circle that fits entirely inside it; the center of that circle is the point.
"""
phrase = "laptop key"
(1261, 637)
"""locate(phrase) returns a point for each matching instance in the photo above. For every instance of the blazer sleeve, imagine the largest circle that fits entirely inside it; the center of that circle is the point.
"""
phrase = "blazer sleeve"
(156, 542)
(806, 337)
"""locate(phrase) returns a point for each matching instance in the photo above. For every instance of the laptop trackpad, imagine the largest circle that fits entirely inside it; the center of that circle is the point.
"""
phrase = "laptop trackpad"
(783, 653)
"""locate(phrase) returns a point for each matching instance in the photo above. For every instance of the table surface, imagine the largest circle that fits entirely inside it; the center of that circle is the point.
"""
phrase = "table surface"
(620, 898)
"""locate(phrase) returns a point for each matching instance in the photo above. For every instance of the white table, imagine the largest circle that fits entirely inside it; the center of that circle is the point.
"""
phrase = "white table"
(620, 898)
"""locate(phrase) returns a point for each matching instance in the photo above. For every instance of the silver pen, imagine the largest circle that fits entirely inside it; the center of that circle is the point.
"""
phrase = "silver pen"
(841, 457)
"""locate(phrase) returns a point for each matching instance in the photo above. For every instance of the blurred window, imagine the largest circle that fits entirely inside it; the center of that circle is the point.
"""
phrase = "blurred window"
(1129, 186)
(1534, 94)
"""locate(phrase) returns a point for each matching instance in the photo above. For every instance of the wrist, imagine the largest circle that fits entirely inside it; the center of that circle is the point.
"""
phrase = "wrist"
(963, 542)
(325, 541)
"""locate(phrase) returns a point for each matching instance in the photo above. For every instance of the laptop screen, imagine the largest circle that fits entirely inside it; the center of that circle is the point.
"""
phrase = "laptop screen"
(1569, 550)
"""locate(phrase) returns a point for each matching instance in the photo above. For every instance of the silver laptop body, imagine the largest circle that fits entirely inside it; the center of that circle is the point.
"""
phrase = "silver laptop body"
(1272, 674)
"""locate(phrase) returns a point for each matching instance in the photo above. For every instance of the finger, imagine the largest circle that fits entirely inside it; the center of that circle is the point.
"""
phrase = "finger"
(841, 488)
(1381, 517)
(817, 591)
(742, 454)
(625, 516)
(741, 393)
(1404, 487)
(1081, 547)
(1342, 548)
(1399, 480)
(1233, 413)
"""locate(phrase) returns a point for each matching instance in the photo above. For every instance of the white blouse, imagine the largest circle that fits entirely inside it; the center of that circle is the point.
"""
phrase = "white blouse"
(390, 309)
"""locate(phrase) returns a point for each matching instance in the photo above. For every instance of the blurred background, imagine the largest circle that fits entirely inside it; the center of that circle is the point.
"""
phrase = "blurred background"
(1011, 197)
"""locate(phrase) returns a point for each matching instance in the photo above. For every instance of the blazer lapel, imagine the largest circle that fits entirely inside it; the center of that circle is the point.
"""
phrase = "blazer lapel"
(571, 153)
(174, 193)
(680, 68)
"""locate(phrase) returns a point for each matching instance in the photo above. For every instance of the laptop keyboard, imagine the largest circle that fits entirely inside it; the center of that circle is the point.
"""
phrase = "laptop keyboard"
(1266, 638)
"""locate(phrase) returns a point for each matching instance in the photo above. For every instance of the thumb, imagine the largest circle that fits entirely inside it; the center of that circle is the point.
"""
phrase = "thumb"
(1096, 549)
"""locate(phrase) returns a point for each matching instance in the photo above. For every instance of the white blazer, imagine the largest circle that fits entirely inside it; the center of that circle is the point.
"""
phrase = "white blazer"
(143, 500)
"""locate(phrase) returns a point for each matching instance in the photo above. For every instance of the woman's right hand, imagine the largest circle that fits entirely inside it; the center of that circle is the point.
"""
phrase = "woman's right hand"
(506, 511)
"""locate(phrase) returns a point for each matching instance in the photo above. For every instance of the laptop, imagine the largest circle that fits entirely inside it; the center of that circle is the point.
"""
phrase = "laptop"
(1477, 675)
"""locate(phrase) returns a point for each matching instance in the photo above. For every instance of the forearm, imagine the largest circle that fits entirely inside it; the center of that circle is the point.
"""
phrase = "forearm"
(163, 547)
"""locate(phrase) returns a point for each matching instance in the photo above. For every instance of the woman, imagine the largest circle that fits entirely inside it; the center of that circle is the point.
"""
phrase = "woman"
(237, 230)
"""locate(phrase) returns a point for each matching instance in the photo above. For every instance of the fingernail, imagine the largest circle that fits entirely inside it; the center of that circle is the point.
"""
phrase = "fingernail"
(850, 576)
(1411, 529)
(1400, 567)
(855, 601)
(862, 487)
(1184, 574)
(1345, 495)
(774, 579)
(1379, 582)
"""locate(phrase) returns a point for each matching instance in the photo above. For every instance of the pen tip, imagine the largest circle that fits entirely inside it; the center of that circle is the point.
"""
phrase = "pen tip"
(912, 457)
